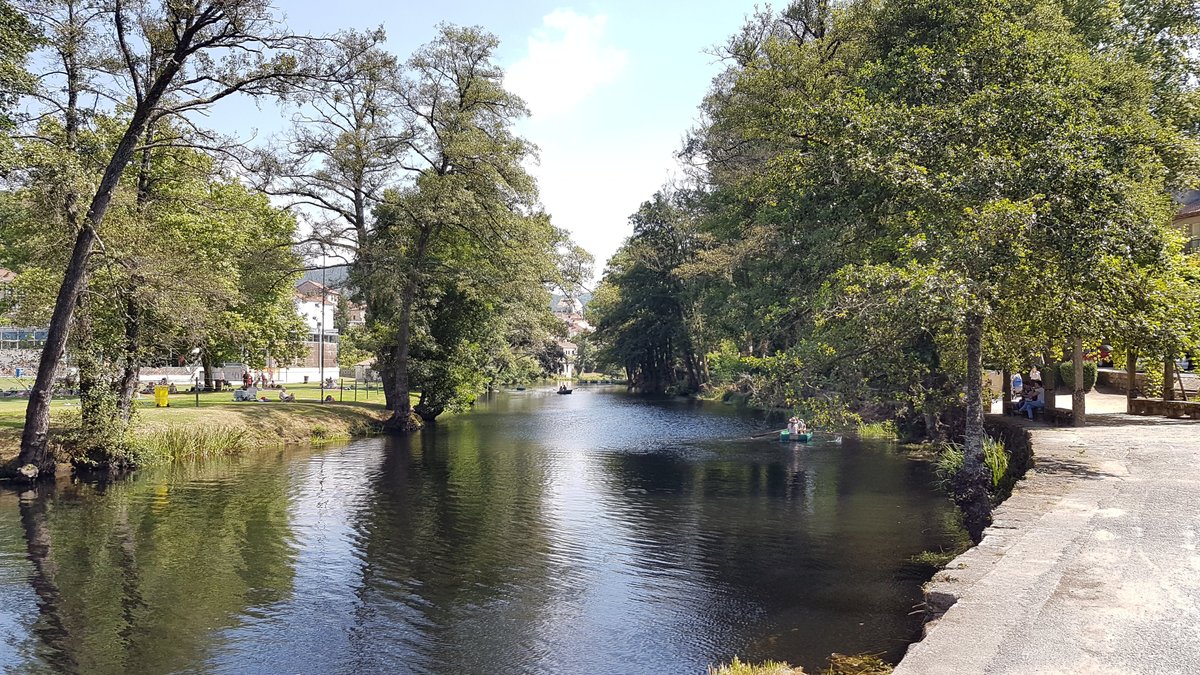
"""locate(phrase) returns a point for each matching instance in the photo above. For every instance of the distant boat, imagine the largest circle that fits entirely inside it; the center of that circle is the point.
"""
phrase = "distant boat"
(520, 388)
(565, 391)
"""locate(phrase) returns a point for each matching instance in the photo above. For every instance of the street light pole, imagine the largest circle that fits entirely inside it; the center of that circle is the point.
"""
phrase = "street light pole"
(321, 334)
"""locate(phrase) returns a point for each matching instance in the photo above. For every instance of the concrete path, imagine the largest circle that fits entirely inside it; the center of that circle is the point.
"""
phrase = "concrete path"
(1091, 566)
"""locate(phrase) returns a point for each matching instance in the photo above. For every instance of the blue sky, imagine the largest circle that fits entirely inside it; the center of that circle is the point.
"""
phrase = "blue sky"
(613, 86)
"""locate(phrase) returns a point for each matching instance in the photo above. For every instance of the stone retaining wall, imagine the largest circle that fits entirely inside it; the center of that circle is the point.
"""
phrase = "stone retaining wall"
(1172, 409)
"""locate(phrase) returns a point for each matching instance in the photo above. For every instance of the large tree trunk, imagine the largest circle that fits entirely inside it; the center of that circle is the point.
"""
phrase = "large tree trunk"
(35, 441)
(1168, 388)
(970, 486)
(207, 366)
(1006, 391)
(1078, 394)
(387, 374)
(127, 387)
(1131, 357)
(402, 419)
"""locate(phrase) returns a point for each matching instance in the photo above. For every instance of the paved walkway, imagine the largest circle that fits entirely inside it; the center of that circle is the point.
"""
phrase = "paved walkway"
(1091, 566)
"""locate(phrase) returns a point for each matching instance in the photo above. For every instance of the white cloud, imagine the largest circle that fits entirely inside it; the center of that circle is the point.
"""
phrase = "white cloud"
(567, 61)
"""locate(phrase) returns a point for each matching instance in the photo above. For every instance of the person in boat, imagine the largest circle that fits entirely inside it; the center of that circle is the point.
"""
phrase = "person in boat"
(791, 426)
(801, 427)
(562, 388)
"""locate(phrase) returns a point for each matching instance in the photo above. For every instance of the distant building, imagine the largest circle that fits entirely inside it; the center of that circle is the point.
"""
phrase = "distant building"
(1187, 221)
(13, 336)
(20, 346)
(570, 312)
(570, 351)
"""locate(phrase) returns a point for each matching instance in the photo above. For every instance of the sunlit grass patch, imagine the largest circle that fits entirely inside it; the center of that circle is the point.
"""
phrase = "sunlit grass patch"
(885, 429)
(736, 667)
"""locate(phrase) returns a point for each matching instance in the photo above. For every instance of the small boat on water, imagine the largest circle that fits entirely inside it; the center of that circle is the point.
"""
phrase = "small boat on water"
(565, 391)
(786, 437)
(520, 388)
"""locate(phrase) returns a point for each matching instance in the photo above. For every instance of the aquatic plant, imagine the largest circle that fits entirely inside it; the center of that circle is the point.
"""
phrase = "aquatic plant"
(736, 667)
(885, 429)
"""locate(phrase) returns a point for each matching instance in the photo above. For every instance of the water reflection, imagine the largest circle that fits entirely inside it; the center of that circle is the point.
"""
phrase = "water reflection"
(542, 533)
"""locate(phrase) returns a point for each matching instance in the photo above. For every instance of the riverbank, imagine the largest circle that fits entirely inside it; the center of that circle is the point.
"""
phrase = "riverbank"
(1090, 566)
(216, 425)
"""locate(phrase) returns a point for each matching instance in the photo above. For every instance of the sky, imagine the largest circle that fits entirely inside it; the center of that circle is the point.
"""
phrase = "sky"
(613, 86)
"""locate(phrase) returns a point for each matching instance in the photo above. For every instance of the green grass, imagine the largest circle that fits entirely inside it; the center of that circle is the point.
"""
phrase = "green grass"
(858, 664)
(7, 383)
(258, 424)
(176, 443)
(736, 667)
(885, 429)
(839, 664)
(950, 460)
(597, 377)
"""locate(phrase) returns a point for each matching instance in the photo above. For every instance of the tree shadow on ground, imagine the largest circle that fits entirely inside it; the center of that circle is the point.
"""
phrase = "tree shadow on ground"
(1061, 466)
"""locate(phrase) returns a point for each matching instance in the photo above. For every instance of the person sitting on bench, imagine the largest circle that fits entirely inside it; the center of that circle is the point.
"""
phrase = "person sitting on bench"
(1036, 399)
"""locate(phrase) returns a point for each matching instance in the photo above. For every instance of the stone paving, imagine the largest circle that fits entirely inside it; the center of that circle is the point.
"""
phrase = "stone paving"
(1090, 567)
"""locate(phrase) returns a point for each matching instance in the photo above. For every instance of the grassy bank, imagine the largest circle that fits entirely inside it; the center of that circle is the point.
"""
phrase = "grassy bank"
(213, 424)
(839, 664)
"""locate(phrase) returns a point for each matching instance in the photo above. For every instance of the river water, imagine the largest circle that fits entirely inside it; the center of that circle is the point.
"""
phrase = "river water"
(591, 533)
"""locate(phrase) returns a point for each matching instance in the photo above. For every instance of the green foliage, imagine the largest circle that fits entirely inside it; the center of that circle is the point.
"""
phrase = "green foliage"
(191, 442)
(737, 667)
(192, 259)
(950, 460)
(643, 311)
(886, 429)
(455, 268)
(17, 40)
(1066, 374)
(996, 459)
(726, 365)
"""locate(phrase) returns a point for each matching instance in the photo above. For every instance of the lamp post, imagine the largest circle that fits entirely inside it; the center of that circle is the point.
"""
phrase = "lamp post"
(321, 332)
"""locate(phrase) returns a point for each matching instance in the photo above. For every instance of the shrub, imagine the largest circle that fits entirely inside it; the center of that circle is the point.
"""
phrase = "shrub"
(996, 458)
(950, 460)
(736, 667)
(886, 429)
(1066, 374)
(726, 365)
(175, 443)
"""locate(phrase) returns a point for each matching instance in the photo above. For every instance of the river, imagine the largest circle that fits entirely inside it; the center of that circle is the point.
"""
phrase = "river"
(591, 533)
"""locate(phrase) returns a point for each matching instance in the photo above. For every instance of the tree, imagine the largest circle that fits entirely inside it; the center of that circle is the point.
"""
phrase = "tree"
(341, 154)
(469, 203)
(896, 193)
(191, 260)
(175, 60)
(642, 308)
